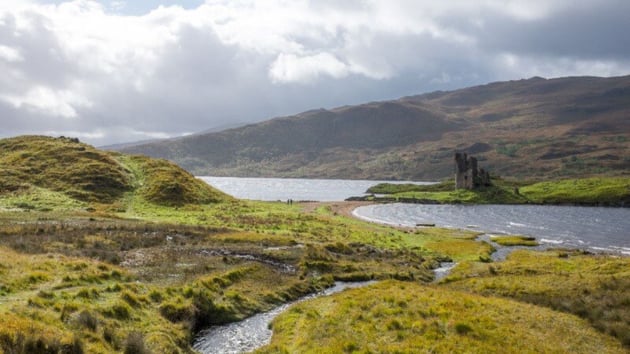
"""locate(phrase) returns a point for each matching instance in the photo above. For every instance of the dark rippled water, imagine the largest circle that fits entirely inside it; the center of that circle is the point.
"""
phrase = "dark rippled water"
(583, 227)
(604, 229)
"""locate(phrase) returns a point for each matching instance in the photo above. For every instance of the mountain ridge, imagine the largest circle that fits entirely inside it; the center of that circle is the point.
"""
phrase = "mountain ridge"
(532, 128)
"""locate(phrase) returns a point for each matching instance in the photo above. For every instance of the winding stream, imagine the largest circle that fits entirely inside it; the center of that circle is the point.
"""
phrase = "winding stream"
(253, 332)
(599, 229)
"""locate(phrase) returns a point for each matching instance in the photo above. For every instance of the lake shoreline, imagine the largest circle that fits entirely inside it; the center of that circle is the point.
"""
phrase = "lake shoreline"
(594, 191)
(593, 229)
(405, 200)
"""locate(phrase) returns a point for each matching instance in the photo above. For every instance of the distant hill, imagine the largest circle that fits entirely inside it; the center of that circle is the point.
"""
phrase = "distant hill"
(68, 169)
(122, 146)
(535, 128)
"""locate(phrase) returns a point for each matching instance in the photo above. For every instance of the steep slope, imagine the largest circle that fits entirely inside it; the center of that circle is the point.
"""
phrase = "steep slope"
(67, 169)
(527, 128)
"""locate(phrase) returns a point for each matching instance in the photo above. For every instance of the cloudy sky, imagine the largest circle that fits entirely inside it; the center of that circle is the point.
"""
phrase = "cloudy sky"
(117, 71)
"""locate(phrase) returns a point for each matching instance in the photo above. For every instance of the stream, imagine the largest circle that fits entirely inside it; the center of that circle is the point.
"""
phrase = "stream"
(254, 332)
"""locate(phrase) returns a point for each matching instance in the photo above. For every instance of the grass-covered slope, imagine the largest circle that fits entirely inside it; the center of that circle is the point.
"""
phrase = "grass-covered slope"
(162, 182)
(592, 287)
(36, 171)
(394, 317)
(605, 191)
(61, 165)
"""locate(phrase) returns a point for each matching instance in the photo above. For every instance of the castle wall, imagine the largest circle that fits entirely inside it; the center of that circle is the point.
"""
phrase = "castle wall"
(467, 174)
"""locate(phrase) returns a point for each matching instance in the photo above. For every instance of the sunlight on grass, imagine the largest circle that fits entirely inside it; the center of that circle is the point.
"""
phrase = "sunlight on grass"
(394, 317)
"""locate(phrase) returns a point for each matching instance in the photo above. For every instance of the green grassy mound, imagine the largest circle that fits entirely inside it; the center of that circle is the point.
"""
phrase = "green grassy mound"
(62, 165)
(592, 287)
(395, 317)
(44, 173)
(165, 183)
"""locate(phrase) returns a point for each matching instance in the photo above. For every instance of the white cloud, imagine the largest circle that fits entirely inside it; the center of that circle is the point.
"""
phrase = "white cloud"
(85, 66)
(76, 134)
(10, 54)
(530, 66)
(291, 68)
(48, 101)
(117, 5)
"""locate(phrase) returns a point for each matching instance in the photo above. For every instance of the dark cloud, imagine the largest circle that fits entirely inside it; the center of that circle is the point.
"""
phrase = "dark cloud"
(584, 30)
(81, 69)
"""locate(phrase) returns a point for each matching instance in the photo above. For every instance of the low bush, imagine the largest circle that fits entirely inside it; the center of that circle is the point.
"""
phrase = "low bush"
(87, 320)
(135, 344)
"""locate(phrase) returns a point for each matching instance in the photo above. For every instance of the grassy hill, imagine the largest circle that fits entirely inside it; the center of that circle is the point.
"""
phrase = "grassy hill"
(36, 171)
(408, 318)
(533, 128)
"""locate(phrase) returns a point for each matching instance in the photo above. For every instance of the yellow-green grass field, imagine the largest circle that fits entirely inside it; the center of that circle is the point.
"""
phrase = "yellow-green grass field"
(397, 317)
(102, 252)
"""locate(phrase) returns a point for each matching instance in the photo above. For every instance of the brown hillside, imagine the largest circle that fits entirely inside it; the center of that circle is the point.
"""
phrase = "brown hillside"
(527, 128)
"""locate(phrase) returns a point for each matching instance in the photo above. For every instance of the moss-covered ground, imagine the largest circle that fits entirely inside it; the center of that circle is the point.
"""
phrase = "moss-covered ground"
(139, 259)
(514, 240)
(594, 287)
(397, 317)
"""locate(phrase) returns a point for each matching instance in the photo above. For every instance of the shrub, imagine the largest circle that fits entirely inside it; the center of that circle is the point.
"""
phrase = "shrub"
(156, 296)
(176, 312)
(135, 344)
(119, 311)
(462, 328)
(87, 320)
(76, 347)
(206, 312)
(131, 299)
(109, 336)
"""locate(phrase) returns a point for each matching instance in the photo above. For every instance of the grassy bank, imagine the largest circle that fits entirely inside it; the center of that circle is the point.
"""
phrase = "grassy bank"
(554, 301)
(395, 317)
(594, 287)
(612, 191)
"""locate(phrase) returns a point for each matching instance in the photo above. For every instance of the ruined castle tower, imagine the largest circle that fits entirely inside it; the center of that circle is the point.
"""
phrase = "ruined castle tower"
(467, 176)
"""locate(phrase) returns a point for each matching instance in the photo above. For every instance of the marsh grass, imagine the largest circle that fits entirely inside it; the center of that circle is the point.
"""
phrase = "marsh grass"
(80, 273)
(392, 317)
(514, 240)
(595, 288)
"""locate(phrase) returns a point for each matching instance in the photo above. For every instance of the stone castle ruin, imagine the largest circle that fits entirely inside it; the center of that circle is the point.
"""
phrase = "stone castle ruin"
(467, 175)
